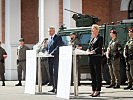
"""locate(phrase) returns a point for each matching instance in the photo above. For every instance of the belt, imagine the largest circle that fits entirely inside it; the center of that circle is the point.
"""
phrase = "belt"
(100, 55)
(130, 57)
(2, 60)
(22, 60)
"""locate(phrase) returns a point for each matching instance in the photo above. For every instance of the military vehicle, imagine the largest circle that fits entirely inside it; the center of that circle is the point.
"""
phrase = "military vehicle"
(84, 35)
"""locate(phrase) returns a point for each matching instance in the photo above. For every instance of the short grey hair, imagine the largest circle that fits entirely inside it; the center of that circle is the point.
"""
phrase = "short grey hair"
(51, 27)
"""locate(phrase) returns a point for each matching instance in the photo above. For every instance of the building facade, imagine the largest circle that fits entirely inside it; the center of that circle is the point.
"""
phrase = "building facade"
(30, 19)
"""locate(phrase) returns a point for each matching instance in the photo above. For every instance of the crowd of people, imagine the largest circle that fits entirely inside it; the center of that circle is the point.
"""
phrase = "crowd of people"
(49, 66)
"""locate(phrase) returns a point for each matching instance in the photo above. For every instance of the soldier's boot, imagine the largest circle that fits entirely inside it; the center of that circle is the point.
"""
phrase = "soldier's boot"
(131, 88)
(116, 86)
(3, 84)
(110, 86)
(19, 84)
(128, 87)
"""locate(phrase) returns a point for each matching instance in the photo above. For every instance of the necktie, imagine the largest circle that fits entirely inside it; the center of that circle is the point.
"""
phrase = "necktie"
(51, 41)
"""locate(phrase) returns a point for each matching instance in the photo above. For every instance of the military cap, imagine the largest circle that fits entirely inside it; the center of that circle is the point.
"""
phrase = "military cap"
(130, 30)
(22, 39)
(113, 31)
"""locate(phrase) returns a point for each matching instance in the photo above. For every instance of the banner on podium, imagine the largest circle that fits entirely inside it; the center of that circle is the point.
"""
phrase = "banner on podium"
(31, 63)
(64, 72)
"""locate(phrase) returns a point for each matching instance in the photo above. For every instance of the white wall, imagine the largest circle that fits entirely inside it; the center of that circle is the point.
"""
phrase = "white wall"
(74, 5)
(12, 36)
(124, 5)
(13, 30)
(13, 26)
(0, 20)
(51, 15)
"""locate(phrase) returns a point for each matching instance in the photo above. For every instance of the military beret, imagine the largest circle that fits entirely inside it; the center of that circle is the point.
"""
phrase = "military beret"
(130, 30)
(22, 39)
(113, 31)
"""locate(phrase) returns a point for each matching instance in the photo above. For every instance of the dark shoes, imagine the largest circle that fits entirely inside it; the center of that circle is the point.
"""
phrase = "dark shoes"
(92, 93)
(96, 94)
(45, 83)
(110, 86)
(131, 88)
(3, 84)
(49, 84)
(113, 86)
(53, 90)
(19, 84)
(116, 87)
(128, 87)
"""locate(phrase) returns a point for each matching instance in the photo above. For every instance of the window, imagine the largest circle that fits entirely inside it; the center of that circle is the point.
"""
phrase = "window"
(85, 38)
(130, 9)
(66, 39)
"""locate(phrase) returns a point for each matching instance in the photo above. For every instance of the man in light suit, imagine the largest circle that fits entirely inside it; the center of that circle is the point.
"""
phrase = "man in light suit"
(53, 48)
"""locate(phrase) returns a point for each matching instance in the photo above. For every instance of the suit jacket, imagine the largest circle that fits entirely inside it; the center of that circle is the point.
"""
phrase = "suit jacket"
(96, 45)
(54, 44)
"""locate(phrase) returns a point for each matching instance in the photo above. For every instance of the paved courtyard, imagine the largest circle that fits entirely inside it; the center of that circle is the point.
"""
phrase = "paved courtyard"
(17, 93)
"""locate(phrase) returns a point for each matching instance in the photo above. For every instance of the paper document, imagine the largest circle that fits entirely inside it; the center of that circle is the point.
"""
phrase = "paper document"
(41, 54)
(81, 52)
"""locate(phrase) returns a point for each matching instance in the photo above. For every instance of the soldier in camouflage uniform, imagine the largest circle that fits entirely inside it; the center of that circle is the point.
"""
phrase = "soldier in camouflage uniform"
(128, 54)
(44, 63)
(75, 44)
(21, 61)
(3, 55)
(74, 40)
(114, 51)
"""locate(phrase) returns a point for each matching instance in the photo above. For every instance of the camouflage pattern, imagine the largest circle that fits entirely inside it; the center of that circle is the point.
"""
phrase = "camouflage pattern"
(74, 43)
(114, 52)
(44, 64)
(21, 65)
(128, 54)
(2, 65)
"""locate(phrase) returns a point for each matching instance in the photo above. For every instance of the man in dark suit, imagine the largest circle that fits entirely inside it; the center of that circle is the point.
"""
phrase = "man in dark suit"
(53, 48)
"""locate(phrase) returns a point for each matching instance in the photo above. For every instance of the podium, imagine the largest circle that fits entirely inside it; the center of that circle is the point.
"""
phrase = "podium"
(32, 59)
(64, 72)
(39, 56)
(77, 52)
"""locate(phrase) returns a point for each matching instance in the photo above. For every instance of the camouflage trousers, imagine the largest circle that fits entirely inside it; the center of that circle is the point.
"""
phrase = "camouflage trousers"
(45, 70)
(2, 71)
(130, 72)
(114, 69)
(21, 69)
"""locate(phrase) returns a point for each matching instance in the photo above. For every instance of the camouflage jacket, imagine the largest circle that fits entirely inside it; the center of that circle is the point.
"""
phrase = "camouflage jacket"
(21, 52)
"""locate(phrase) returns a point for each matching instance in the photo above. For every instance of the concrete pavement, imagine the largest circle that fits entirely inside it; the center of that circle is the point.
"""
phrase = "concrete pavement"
(10, 91)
